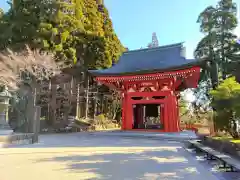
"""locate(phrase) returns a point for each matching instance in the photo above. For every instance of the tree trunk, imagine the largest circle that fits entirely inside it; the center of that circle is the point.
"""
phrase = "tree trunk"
(29, 112)
(214, 74)
(101, 106)
(53, 104)
(86, 95)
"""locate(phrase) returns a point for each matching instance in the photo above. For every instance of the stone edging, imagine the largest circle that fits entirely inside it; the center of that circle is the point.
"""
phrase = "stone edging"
(16, 139)
(223, 146)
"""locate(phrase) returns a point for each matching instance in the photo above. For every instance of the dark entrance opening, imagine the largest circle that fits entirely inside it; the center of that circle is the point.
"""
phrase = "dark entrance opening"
(147, 116)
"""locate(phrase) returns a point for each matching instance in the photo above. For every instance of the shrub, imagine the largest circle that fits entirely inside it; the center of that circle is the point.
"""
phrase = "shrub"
(225, 102)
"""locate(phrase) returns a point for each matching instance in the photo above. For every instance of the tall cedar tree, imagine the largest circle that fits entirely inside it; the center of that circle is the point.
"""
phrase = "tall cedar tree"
(226, 17)
(217, 24)
(102, 45)
(58, 33)
(74, 30)
(19, 26)
(94, 39)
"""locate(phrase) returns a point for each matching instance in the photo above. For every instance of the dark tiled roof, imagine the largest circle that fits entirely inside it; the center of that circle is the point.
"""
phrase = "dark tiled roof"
(159, 59)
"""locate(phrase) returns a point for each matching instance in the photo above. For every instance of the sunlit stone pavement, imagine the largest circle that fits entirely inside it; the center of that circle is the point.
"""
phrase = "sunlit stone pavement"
(81, 156)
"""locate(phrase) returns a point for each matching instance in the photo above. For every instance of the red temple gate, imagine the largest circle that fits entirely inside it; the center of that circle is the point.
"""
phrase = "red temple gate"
(161, 88)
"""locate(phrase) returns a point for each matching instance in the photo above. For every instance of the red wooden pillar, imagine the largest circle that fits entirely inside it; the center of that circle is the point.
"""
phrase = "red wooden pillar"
(129, 113)
(174, 107)
(174, 114)
(171, 113)
(171, 123)
(177, 113)
(166, 117)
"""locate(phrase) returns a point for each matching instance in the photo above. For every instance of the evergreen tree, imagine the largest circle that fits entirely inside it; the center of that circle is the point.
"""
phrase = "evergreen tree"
(217, 23)
(59, 32)
(102, 44)
(94, 50)
(75, 30)
(226, 17)
(49, 25)
(219, 48)
(19, 26)
(226, 105)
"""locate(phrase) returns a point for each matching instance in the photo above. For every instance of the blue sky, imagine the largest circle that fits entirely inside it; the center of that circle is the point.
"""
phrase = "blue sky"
(173, 20)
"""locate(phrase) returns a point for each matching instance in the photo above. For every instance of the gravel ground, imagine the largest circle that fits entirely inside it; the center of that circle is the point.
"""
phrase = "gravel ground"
(81, 156)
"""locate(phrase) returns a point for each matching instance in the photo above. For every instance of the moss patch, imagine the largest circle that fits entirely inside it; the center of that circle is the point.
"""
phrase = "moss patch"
(236, 141)
(227, 138)
(222, 137)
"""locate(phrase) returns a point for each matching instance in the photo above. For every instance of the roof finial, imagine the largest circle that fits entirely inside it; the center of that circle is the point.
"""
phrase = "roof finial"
(154, 42)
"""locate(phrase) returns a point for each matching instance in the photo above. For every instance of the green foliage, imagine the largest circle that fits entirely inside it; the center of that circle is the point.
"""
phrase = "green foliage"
(226, 104)
(217, 46)
(226, 97)
(60, 32)
(19, 26)
(217, 23)
(227, 90)
(74, 30)
(102, 46)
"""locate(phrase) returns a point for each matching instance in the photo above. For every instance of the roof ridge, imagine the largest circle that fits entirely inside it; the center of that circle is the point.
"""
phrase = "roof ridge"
(155, 48)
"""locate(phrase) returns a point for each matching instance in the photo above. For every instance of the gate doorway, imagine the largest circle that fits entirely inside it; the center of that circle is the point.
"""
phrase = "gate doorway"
(147, 116)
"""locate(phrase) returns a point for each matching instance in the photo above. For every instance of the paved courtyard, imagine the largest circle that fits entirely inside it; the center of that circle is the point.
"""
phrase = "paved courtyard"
(81, 156)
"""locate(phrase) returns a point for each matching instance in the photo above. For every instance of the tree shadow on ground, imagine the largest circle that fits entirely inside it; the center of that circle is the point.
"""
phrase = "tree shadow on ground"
(128, 165)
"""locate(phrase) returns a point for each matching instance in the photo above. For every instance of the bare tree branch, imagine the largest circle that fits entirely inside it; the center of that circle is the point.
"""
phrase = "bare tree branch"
(32, 63)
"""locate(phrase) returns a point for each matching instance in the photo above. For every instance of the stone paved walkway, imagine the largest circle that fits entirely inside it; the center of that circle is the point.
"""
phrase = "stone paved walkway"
(81, 156)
